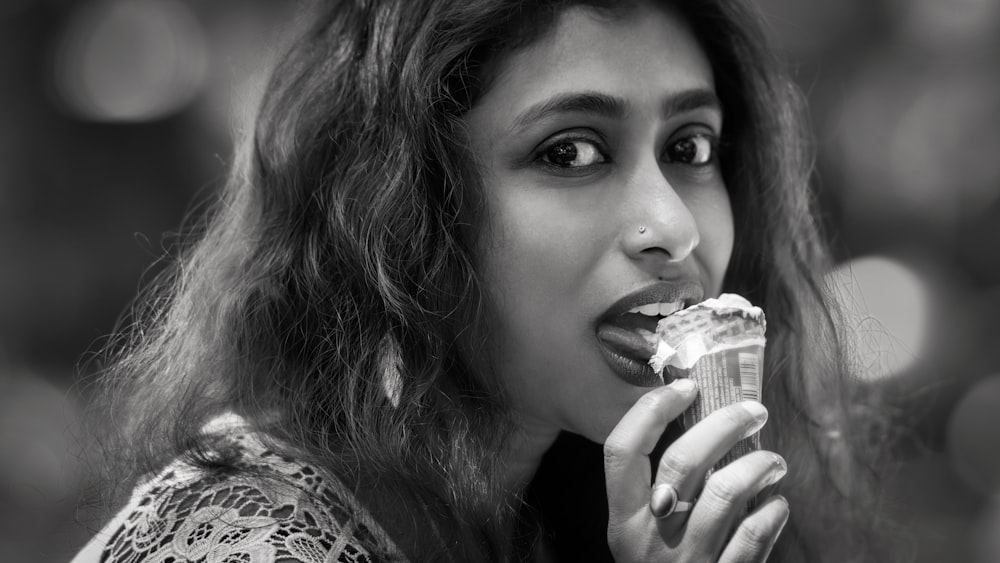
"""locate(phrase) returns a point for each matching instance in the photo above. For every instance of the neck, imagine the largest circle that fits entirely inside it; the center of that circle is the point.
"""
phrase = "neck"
(530, 442)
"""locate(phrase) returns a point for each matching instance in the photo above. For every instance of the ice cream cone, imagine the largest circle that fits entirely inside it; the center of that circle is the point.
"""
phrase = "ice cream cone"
(720, 344)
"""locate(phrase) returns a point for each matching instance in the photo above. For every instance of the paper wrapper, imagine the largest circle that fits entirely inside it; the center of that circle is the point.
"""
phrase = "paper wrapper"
(720, 344)
(724, 378)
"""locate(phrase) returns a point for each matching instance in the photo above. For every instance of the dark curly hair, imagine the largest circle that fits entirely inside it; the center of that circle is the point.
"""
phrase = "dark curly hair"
(340, 260)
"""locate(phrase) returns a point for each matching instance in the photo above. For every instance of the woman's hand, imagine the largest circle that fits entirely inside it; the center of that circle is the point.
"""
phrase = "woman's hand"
(712, 529)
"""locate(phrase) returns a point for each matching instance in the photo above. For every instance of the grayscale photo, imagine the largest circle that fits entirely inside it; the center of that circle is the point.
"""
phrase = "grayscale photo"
(546, 281)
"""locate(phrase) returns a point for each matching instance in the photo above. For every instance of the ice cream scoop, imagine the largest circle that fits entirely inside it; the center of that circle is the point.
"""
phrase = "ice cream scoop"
(712, 326)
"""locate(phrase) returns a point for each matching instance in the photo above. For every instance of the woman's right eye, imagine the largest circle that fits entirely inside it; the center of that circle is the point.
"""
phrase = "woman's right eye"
(572, 153)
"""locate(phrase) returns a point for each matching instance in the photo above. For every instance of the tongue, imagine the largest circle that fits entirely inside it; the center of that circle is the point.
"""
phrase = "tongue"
(634, 321)
(629, 342)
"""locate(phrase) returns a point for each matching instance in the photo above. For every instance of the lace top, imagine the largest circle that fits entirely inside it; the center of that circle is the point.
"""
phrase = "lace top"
(279, 511)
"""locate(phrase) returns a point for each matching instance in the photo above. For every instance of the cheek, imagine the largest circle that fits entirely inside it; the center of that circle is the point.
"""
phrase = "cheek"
(714, 216)
(538, 260)
(537, 243)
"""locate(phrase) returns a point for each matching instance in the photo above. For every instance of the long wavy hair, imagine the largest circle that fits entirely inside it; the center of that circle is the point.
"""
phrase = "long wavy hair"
(332, 295)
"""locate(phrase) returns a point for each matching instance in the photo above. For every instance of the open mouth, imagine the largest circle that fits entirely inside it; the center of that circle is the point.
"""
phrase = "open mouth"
(626, 333)
(632, 334)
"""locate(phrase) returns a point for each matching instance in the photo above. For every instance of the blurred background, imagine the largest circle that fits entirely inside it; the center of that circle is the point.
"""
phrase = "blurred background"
(117, 115)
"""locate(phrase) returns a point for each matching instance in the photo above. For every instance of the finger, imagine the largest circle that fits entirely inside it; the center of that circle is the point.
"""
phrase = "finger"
(627, 448)
(691, 455)
(726, 494)
(757, 533)
(686, 461)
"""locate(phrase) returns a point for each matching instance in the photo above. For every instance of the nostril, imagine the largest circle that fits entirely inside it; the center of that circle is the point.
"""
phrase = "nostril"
(660, 239)
(658, 250)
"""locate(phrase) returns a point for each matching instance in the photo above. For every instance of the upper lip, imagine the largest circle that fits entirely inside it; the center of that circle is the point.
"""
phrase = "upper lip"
(688, 291)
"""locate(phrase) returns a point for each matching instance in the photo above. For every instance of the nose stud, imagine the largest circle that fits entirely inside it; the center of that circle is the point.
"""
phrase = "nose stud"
(642, 229)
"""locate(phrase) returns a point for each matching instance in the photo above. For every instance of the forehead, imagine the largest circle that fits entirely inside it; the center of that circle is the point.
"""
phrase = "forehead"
(639, 55)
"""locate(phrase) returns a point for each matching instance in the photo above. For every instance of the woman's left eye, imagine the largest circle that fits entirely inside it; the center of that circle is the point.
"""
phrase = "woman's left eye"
(572, 153)
(695, 150)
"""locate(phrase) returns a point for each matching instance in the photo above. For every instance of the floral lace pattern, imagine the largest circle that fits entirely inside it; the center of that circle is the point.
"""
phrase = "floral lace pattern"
(280, 511)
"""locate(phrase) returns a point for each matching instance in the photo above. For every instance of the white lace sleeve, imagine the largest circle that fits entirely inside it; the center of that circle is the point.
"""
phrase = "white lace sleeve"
(293, 514)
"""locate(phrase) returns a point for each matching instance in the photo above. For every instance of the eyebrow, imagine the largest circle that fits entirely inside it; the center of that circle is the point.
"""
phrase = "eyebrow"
(614, 107)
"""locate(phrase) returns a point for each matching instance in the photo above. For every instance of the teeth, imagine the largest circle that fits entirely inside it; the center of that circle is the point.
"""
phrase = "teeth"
(669, 308)
(657, 309)
(650, 310)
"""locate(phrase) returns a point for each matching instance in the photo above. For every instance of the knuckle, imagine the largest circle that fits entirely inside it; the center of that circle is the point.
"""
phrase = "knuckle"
(648, 402)
(671, 393)
(753, 535)
(736, 415)
(619, 542)
(679, 460)
(723, 489)
(625, 544)
(614, 453)
(616, 536)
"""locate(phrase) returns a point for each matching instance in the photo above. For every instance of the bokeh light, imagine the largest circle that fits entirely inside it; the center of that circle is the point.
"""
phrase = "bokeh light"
(887, 306)
(918, 144)
(34, 417)
(130, 60)
(117, 113)
(974, 436)
(39, 464)
(951, 125)
(946, 25)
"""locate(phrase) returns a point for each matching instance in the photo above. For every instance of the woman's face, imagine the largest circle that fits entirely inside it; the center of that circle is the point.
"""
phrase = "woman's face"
(603, 195)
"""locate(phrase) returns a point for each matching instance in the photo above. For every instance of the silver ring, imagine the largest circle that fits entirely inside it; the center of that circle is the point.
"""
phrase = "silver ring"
(663, 502)
(642, 229)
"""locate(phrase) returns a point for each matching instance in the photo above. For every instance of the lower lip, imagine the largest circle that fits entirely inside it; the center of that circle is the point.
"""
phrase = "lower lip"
(631, 371)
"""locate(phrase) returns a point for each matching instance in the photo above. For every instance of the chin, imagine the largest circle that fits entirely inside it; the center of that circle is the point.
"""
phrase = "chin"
(602, 418)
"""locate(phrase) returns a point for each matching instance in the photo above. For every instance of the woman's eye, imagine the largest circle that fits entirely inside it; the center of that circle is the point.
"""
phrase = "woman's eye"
(572, 154)
(695, 150)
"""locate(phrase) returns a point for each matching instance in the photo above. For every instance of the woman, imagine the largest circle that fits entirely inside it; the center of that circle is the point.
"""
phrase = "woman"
(408, 297)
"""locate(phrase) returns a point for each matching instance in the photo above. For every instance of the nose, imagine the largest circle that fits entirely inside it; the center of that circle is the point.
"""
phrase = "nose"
(659, 227)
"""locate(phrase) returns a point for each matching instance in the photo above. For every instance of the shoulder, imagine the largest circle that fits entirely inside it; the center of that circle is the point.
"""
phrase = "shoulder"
(265, 507)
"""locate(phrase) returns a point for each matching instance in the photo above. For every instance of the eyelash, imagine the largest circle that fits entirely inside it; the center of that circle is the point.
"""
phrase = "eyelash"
(544, 151)
(712, 147)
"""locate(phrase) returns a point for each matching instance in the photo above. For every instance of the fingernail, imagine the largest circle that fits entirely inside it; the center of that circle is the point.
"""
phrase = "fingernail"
(778, 470)
(759, 414)
(683, 384)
